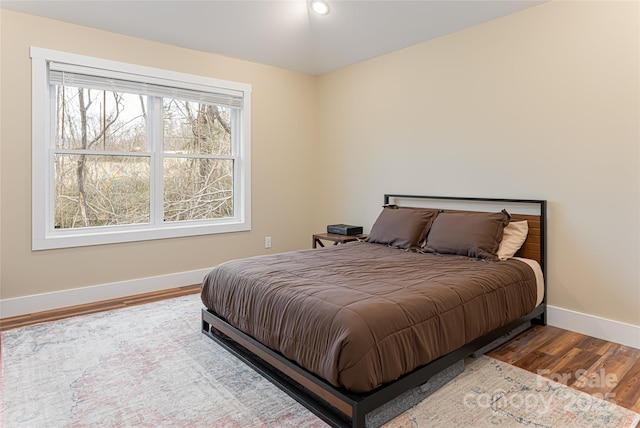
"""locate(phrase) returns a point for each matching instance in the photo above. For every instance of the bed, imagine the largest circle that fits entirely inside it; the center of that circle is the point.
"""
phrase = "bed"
(347, 329)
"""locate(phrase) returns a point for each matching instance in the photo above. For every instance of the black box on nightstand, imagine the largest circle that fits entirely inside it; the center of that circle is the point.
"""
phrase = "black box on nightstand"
(344, 229)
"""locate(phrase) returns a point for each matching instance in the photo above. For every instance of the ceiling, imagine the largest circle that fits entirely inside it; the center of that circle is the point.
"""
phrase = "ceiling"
(281, 33)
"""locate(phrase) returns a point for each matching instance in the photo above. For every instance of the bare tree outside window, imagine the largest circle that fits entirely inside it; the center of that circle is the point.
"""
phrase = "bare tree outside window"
(197, 185)
(103, 163)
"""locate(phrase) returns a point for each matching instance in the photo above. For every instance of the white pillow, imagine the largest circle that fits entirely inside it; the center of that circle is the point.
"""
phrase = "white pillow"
(513, 236)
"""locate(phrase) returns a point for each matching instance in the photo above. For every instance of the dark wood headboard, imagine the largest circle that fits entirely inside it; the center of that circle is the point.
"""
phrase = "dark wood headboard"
(534, 246)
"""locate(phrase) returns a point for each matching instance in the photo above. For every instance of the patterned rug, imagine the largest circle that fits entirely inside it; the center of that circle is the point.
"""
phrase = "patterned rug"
(149, 365)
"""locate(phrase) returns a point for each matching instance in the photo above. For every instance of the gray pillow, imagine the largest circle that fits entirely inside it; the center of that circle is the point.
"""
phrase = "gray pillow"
(402, 227)
(469, 234)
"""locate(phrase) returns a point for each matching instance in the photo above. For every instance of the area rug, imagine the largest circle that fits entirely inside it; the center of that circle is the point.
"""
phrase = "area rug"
(150, 365)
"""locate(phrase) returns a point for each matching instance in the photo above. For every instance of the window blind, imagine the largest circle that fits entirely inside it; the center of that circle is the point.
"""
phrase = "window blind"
(110, 80)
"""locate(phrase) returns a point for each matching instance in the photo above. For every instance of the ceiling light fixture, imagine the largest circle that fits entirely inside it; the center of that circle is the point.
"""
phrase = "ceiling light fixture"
(320, 7)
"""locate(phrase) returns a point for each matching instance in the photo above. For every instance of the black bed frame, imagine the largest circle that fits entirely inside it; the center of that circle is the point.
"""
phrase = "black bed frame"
(342, 408)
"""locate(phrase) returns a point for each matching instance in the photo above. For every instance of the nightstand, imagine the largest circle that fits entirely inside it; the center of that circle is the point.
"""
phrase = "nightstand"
(336, 239)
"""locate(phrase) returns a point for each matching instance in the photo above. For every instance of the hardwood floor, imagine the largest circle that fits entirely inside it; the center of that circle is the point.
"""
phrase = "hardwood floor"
(600, 368)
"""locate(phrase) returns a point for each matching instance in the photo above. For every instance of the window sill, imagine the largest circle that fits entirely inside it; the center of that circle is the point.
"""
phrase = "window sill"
(121, 234)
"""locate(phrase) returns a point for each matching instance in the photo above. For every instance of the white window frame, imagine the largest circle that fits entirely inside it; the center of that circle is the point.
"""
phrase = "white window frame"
(45, 236)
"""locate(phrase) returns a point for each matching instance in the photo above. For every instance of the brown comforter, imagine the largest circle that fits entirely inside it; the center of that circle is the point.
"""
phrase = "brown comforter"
(361, 314)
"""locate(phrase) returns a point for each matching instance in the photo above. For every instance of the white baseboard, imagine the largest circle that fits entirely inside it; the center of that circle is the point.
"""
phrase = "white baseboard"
(79, 296)
(591, 325)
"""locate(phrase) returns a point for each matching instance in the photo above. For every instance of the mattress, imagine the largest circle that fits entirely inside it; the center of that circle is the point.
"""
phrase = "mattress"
(360, 315)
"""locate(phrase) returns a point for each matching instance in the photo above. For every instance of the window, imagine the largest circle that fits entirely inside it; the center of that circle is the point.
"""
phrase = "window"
(126, 153)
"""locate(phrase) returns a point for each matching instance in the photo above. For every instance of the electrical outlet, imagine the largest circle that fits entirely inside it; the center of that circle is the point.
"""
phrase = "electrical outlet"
(267, 242)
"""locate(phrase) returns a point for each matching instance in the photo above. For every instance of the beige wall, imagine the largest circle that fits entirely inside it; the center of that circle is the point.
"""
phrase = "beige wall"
(283, 131)
(540, 104)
